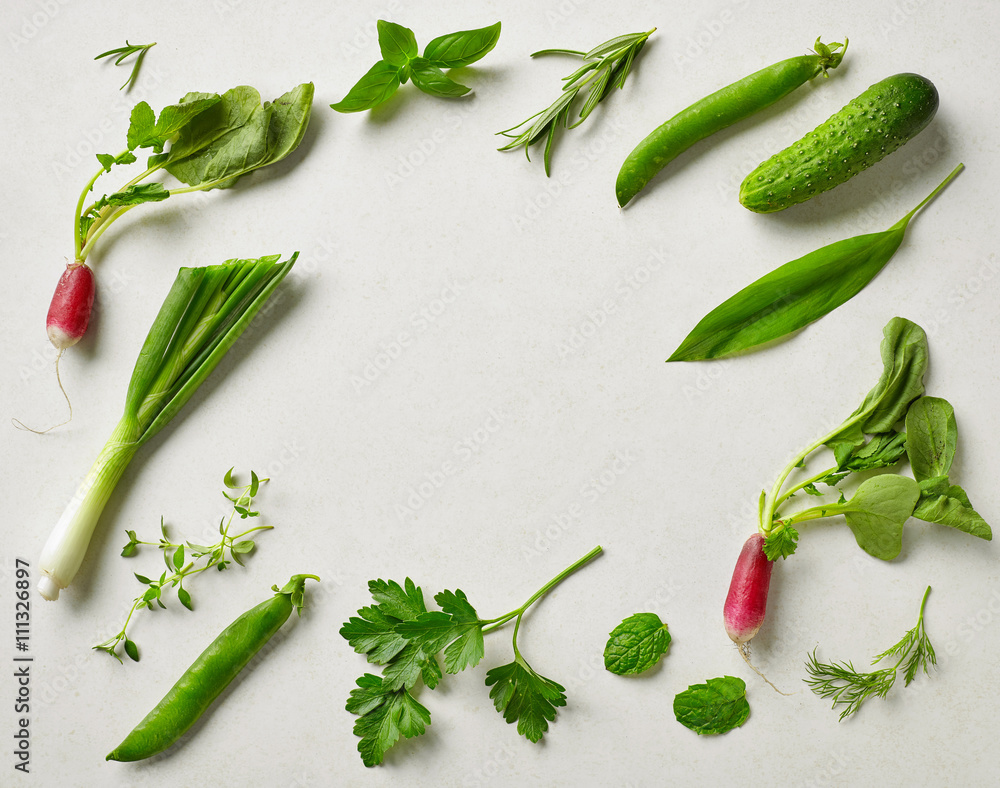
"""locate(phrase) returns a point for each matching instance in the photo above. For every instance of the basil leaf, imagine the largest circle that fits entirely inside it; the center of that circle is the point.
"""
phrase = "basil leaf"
(398, 44)
(797, 293)
(712, 708)
(877, 512)
(462, 48)
(636, 644)
(381, 81)
(948, 504)
(432, 80)
(932, 435)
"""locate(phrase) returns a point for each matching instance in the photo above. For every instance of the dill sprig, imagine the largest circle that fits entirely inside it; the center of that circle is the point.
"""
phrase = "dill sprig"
(607, 66)
(850, 688)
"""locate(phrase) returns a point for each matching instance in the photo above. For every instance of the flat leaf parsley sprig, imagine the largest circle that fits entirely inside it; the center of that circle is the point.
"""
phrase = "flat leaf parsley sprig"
(850, 688)
(220, 555)
(399, 633)
(607, 66)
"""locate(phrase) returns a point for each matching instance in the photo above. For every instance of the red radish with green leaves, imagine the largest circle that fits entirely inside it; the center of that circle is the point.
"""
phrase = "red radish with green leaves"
(213, 141)
(870, 439)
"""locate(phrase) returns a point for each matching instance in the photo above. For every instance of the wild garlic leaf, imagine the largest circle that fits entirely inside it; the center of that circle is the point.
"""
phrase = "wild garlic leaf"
(381, 81)
(525, 697)
(432, 80)
(795, 294)
(462, 48)
(932, 435)
(716, 707)
(636, 644)
(397, 43)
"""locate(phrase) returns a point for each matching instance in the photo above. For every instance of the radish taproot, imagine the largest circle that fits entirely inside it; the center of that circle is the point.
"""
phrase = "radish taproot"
(69, 312)
(746, 602)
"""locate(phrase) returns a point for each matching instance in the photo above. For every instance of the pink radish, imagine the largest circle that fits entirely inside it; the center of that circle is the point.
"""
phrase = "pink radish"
(69, 312)
(746, 602)
(747, 599)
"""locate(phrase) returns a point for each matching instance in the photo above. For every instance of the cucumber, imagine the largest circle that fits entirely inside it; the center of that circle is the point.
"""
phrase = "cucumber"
(869, 128)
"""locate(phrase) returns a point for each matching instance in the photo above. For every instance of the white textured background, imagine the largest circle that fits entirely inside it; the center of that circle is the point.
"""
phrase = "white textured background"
(400, 211)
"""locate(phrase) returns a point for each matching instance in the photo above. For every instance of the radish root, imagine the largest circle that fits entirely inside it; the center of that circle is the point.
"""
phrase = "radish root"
(22, 426)
(744, 649)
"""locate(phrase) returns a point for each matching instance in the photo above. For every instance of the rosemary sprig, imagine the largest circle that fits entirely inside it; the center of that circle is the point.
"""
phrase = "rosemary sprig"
(850, 688)
(179, 569)
(607, 66)
(123, 52)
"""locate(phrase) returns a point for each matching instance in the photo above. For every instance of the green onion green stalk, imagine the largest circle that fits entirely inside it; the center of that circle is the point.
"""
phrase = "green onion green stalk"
(203, 315)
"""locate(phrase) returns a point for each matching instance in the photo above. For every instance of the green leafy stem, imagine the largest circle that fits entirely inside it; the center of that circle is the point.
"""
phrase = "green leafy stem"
(870, 439)
(214, 140)
(220, 555)
(400, 634)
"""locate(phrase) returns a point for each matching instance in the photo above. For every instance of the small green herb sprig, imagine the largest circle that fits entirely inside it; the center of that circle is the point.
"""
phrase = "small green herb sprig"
(607, 66)
(180, 566)
(850, 688)
(399, 633)
(139, 50)
(400, 62)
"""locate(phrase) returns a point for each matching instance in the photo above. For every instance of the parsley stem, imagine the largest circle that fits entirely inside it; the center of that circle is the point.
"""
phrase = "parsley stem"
(499, 622)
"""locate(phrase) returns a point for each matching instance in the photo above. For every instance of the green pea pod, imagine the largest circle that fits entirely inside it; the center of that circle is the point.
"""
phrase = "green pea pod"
(719, 110)
(211, 673)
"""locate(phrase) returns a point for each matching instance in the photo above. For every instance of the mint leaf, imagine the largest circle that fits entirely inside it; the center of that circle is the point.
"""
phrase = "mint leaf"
(636, 644)
(381, 81)
(524, 697)
(715, 707)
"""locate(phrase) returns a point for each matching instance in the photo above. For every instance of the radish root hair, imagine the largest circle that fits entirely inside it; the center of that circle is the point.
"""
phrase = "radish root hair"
(744, 649)
(22, 426)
